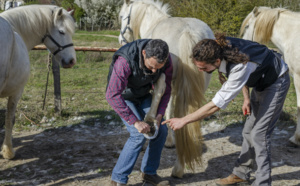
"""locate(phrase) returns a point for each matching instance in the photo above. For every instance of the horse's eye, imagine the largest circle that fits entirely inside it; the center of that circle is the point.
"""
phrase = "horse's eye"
(247, 26)
(61, 32)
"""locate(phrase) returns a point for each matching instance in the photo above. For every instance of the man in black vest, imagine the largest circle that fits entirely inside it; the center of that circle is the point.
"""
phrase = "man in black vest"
(134, 70)
(246, 64)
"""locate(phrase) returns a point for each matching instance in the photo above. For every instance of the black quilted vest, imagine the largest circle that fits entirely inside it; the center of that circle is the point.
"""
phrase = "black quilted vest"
(269, 62)
(139, 84)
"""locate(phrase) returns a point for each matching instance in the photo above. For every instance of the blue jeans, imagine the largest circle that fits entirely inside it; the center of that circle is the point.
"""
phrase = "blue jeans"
(135, 143)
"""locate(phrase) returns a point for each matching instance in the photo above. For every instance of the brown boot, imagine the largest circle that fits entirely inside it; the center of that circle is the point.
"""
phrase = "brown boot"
(231, 180)
(154, 180)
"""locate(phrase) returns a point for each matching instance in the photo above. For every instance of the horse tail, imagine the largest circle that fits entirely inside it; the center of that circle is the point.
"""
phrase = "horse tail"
(188, 92)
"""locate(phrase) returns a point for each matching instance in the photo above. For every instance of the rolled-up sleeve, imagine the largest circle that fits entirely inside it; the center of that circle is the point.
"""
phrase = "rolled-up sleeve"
(237, 79)
(118, 82)
(166, 97)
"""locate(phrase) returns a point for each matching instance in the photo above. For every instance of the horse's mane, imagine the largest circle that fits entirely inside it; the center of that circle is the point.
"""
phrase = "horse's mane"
(264, 23)
(34, 19)
(159, 9)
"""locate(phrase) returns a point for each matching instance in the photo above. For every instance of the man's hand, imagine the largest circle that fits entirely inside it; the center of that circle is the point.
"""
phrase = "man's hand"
(246, 107)
(142, 127)
(175, 123)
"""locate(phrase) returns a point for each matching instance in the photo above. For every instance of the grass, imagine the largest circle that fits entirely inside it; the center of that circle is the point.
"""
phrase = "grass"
(84, 38)
(83, 90)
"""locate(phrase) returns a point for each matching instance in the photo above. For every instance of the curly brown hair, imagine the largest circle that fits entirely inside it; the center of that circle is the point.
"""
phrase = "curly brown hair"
(209, 50)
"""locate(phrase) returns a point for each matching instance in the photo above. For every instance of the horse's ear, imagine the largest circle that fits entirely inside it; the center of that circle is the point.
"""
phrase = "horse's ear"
(127, 2)
(255, 11)
(71, 12)
(58, 13)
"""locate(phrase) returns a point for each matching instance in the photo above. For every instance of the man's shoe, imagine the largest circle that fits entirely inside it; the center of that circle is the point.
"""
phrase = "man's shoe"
(113, 183)
(154, 180)
(232, 179)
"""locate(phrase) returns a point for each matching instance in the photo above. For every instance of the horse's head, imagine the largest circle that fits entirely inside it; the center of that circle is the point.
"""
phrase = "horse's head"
(250, 25)
(126, 32)
(247, 29)
(59, 38)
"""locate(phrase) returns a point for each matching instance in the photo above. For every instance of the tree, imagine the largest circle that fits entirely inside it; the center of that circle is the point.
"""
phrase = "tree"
(224, 15)
(70, 5)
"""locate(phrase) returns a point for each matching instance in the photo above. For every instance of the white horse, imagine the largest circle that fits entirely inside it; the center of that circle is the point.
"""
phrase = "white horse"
(282, 27)
(21, 29)
(150, 19)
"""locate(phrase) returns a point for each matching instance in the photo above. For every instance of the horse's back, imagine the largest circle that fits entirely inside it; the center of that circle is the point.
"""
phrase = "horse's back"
(182, 34)
(173, 27)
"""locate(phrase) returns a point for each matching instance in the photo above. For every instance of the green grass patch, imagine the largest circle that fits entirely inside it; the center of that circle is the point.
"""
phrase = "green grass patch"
(92, 38)
(102, 32)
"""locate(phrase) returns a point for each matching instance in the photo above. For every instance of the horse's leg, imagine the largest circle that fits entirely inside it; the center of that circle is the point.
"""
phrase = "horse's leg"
(178, 169)
(159, 90)
(7, 147)
(170, 141)
(295, 139)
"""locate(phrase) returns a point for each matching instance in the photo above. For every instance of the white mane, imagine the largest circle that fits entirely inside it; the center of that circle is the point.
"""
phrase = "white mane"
(36, 19)
(163, 8)
(158, 10)
(266, 18)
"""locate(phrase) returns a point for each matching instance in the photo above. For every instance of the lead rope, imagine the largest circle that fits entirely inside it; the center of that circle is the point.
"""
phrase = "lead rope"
(48, 66)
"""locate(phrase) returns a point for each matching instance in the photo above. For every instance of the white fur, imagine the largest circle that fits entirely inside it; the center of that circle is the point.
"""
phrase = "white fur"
(282, 27)
(150, 19)
(21, 29)
(33, 22)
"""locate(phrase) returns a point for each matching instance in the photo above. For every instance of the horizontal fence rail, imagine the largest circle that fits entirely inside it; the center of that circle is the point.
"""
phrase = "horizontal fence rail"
(79, 48)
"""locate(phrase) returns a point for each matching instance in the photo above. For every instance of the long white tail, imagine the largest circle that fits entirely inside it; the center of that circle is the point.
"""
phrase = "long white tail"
(188, 95)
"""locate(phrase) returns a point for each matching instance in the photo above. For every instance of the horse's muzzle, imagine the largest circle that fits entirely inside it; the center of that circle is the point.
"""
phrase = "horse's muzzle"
(69, 64)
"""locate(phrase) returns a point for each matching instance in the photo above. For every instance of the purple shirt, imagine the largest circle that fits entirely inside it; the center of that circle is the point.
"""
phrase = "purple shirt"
(118, 82)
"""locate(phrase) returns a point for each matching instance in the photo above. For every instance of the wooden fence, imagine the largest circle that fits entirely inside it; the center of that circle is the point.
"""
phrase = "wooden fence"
(56, 71)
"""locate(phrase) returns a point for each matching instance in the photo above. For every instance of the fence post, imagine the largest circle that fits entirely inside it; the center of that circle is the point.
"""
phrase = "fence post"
(57, 91)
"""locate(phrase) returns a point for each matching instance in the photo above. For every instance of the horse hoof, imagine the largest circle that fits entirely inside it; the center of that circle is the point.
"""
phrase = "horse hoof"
(8, 156)
(153, 130)
(170, 146)
(177, 173)
(176, 176)
(6, 153)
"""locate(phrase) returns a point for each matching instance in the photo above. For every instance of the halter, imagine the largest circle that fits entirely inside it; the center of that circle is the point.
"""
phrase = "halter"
(127, 26)
(60, 48)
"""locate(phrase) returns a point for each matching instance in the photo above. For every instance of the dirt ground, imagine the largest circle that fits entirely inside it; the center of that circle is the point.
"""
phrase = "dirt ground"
(86, 154)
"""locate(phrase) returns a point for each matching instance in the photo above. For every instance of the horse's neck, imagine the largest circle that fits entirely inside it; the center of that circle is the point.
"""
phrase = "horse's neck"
(28, 33)
(280, 37)
(30, 37)
(148, 24)
(30, 40)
